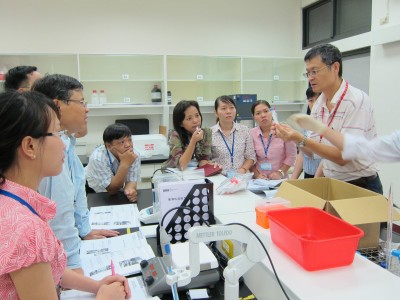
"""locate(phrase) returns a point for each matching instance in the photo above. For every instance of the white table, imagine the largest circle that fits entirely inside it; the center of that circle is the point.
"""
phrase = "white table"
(361, 280)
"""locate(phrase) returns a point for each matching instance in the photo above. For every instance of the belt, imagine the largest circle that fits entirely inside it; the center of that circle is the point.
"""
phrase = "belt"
(363, 179)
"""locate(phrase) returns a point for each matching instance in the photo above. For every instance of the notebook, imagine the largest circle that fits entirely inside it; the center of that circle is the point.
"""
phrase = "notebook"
(209, 169)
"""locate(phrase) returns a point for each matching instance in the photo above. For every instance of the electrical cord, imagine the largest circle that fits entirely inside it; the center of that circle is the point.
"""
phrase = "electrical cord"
(269, 258)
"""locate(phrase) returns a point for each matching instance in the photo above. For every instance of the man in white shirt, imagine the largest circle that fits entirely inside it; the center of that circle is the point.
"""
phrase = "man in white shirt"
(115, 165)
(341, 107)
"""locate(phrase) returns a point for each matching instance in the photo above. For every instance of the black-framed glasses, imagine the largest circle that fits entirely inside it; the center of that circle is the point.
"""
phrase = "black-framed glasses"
(314, 73)
(62, 134)
(81, 102)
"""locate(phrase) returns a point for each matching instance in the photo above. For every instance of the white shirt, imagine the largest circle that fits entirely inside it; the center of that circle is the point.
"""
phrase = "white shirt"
(354, 116)
(385, 149)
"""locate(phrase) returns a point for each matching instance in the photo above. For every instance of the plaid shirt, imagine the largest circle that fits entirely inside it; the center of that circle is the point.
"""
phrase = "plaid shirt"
(99, 172)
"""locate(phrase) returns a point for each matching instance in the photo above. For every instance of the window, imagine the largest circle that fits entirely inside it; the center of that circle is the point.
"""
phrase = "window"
(331, 20)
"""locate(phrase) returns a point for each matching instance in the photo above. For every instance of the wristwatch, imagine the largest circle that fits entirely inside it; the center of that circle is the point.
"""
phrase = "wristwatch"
(282, 173)
(302, 143)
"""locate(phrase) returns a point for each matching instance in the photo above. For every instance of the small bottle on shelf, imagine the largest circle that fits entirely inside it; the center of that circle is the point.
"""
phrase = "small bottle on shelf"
(155, 94)
(95, 98)
(102, 97)
(169, 98)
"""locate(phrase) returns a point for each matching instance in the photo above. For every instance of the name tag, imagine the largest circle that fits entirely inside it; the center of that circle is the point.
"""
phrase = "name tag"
(266, 166)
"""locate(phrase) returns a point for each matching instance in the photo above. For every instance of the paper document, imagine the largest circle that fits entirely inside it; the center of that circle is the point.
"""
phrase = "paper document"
(114, 216)
(260, 185)
(126, 251)
(137, 289)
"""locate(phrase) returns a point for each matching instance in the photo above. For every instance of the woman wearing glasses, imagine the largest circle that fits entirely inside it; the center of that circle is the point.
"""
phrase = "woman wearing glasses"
(33, 259)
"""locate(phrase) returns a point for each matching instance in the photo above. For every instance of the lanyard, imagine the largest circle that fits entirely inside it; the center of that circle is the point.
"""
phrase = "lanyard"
(269, 142)
(111, 165)
(20, 200)
(226, 144)
(335, 110)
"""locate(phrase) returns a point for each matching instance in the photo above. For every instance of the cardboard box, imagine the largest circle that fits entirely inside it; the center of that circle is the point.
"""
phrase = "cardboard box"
(358, 206)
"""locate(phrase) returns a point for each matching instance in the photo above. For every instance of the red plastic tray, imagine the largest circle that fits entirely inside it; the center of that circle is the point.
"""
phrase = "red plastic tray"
(314, 238)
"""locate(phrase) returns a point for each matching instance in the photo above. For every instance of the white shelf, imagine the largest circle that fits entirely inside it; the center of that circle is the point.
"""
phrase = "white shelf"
(124, 110)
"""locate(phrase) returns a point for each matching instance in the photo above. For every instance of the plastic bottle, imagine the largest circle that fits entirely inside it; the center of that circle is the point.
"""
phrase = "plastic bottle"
(155, 94)
(95, 98)
(102, 97)
(169, 98)
(274, 115)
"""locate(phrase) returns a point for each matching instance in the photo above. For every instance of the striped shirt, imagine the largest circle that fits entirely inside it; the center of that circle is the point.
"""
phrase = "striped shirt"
(99, 172)
(354, 116)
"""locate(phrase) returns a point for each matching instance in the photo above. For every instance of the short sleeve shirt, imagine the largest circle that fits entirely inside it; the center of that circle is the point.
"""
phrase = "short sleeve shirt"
(202, 149)
(279, 152)
(101, 167)
(25, 238)
(243, 146)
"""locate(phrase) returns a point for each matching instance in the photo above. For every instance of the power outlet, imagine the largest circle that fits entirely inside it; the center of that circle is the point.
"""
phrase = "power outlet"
(125, 76)
(199, 77)
(199, 99)
(276, 77)
(276, 98)
(127, 100)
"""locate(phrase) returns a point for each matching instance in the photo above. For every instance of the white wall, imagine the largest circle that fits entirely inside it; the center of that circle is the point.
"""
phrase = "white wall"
(207, 27)
(384, 79)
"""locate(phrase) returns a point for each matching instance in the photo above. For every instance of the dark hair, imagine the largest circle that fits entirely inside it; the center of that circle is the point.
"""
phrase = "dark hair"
(115, 132)
(310, 93)
(258, 102)
(57, 86)
(17, 76)
(223, 99)
(21, 114)
(179, 115)
(329, 55)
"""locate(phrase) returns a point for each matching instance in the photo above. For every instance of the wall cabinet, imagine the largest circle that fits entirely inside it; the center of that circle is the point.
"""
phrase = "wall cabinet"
(128, 79)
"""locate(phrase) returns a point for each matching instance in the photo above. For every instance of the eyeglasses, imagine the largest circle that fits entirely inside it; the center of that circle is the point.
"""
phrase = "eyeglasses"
(62, 134)
(81, 102)
(314, 73)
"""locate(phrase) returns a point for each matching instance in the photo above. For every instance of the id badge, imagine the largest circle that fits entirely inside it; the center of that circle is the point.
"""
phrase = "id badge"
(266, 166)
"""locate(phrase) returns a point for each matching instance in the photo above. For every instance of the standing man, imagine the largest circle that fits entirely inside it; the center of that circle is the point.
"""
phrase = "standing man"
(71, 222)
(115, 165)
(21, 78)
(341, 107)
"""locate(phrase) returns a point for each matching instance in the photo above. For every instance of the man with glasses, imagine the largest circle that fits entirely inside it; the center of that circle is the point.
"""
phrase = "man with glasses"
(71, 222)
(21, 78)
(341, 107)
(115, 165)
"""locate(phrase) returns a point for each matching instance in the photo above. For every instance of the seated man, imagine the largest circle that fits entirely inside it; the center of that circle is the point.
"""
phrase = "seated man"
(115, 165)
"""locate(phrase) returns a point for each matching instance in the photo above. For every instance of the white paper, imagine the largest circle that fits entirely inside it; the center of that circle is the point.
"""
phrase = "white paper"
(114, 216)
(198, 294)
(118, 243)
(149, 231)
(137, 289)
(126, 262)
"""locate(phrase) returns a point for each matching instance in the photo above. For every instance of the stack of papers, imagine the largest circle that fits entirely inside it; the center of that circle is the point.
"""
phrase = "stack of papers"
(126, 250)
(114, 216)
